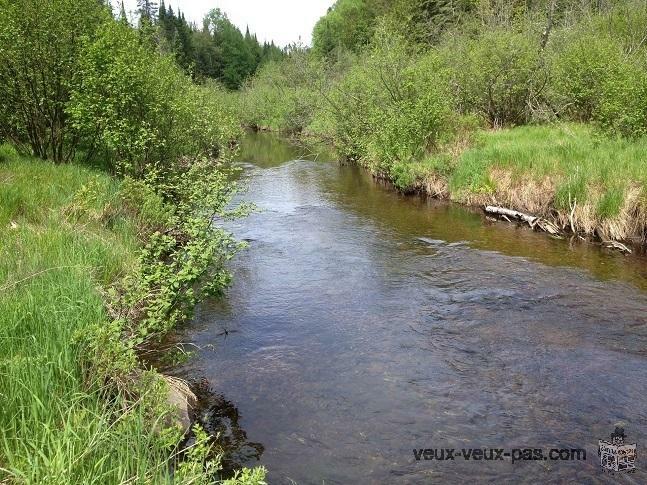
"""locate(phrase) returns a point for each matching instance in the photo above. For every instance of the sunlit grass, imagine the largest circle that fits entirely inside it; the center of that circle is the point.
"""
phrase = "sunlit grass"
(577, 159)
(54, 256)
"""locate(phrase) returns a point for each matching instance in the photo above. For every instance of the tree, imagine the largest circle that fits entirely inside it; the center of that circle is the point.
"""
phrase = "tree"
(147, 9)
(40, 45)
(122, 14)
(349, 24)
(238, 60)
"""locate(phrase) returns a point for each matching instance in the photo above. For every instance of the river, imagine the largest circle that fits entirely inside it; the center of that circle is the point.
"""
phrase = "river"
(363, 324)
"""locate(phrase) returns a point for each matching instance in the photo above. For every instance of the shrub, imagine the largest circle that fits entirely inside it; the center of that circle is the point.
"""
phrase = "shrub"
(39, 50)
(393, 106)
(138, 108)
(599, 70)
(581, 66)
(496, 75)
(283, 95)
(623, 104)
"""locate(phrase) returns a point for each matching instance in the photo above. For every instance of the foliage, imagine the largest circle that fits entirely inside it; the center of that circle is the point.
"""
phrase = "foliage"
(284, 95)
(68, 232)
(623, 108)
(217, 51)
(181, 265)
(581, 68)
(39, 50)
(96, 270)
(139, 109)
(393, 106)
(496, 75)
(349, 24)
(599, 70)
(247, 476)
(397, 86)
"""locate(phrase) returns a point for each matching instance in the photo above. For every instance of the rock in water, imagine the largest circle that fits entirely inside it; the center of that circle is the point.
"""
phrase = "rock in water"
(181, 397)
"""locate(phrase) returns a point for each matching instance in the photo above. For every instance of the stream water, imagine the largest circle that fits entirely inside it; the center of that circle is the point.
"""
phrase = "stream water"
(363, 324)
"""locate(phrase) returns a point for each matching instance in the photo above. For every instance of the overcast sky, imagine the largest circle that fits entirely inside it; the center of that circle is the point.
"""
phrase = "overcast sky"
(283, 21)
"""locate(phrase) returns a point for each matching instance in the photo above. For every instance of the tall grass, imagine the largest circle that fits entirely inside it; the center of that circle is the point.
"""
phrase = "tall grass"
(580, 163)
(55, 255)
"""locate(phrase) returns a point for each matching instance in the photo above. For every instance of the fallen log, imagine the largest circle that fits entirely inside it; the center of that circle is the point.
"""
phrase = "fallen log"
(532, 221)
(502, 211)
(617, 245)
(547, 226)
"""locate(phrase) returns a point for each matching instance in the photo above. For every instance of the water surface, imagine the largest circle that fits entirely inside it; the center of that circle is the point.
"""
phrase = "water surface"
(363, 324)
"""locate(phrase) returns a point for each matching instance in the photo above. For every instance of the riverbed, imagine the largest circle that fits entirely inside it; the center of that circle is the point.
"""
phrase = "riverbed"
(363, 325)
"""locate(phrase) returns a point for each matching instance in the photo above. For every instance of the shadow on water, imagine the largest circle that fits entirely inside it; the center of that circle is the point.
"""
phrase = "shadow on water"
(267, 150)
(220, 419)
(356, 189)
(363, 324)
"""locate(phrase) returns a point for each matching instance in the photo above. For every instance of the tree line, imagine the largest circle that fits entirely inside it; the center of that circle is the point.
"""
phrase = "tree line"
(496, 62)
(218, 50)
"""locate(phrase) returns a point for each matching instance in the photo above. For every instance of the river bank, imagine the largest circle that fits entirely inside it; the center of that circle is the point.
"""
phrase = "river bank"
(86, 288)
(586, 184)
(519, 109)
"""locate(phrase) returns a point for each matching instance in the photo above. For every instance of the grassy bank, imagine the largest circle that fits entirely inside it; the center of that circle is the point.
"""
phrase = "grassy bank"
(564, 172)
(67, 234)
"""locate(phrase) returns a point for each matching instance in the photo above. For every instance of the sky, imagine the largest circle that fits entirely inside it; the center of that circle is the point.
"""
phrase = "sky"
(283, 21)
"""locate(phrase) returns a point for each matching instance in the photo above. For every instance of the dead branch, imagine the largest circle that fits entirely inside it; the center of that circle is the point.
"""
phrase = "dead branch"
(532, 221)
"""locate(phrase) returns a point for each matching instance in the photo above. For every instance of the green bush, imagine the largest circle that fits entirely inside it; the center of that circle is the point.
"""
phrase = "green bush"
(39, 50)
(623, 107)
(581, 67)
(393, 106)
(594, 79)
(283, 95)
(349, 24)
(599, 70)
(138, 107)
(496, 75)
(145, 205)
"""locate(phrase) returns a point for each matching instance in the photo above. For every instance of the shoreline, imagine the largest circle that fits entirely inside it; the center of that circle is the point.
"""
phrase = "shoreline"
(524, 193)
(81, 293)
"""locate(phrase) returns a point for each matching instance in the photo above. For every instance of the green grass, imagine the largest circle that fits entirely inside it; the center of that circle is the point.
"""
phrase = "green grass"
(59, 244)
(577, 159)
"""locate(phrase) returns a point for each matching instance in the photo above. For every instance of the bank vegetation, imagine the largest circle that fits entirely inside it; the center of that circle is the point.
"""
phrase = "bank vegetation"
(113, 181)
(538, 106)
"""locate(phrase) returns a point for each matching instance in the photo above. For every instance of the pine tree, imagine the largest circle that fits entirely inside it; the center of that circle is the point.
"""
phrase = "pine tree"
(162, 12)
(147, 9)
(122, 14)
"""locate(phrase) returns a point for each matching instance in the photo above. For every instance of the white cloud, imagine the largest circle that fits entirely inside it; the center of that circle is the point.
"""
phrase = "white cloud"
(283, 21)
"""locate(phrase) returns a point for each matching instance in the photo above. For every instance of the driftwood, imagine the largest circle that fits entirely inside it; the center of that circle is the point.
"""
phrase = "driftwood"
(611, 244)
(617, 245)
(532, 221)
(547, 226)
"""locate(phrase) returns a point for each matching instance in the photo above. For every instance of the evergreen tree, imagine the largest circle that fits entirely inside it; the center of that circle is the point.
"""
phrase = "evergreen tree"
(162, 12)
(147, 9)
(122, 14)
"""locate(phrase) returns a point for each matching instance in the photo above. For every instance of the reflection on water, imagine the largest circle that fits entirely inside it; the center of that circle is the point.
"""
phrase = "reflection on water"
(363, 324)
